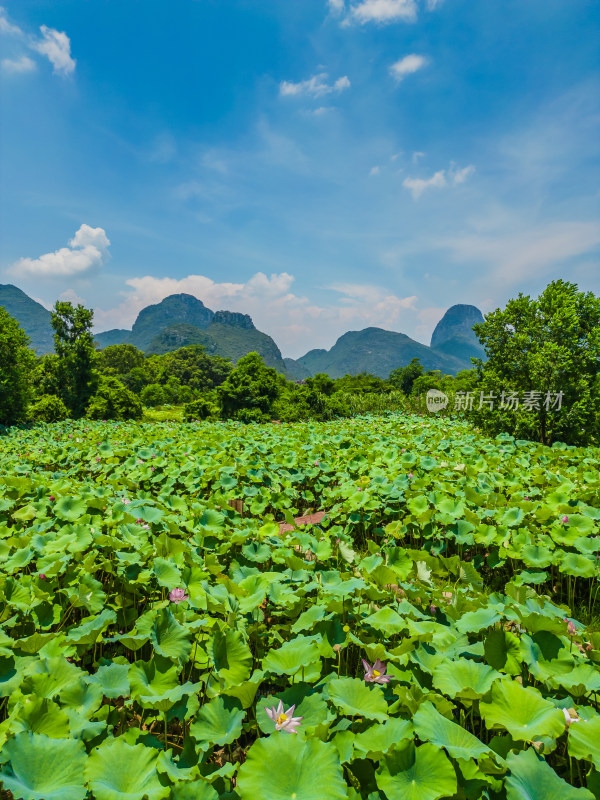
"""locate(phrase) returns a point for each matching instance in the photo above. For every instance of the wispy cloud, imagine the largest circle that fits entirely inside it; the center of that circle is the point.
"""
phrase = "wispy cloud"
(384, 11)
(17, 65)
(56, 46)
(6, 27)
(86, 252)
(407, 66)
(440, 179)
(316, 86)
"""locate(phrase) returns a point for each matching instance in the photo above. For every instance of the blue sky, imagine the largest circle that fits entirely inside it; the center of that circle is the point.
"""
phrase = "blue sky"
(323, 166)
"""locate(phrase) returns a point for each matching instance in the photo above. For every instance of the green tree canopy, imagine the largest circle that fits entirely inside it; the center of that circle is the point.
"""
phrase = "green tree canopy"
(74, 346)
(547, 352)
(403, 377)
(119, 359)
(190, 366)
(250, 390)
(16, 363)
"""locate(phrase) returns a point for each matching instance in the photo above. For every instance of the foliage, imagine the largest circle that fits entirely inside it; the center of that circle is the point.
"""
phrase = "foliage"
(190, 366)
(75, 349)
(152, 395)
(120, 359)
(16, 362)
(454, 558)
(114, 401)
(205, 407)
(249, 391)
(49, 408)
(546, 345)
(403, 378)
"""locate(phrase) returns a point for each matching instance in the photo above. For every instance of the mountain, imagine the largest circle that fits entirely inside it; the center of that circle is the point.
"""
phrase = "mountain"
(113, 336)
(32, 317)
(454, 334)
(175, 309)
(376, 351)
(295, 370)
(230, 335)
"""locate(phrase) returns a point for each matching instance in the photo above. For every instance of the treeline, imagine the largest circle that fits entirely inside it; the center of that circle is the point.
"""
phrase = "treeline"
(541, 379)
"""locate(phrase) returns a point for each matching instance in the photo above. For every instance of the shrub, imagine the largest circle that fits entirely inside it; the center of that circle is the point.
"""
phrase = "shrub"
(49, 408)
(16, 364)
(203, 408)
(114, 401)
(152, 395)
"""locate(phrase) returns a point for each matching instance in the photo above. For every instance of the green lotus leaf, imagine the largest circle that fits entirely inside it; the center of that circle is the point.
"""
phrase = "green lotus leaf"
(12, 670)
(578, 565)
(70, 508)
(416, 773)
(84, 697)
(231, 657)
(580, 680)
(431, 726)
(88, 631)
(219, 721)
(148, 513)
(40, 715)
(88, 594)
(464, 678)
(169, 638)
(44, 768)
(386, 620)
(193, 790)
(380, 738)
(116, 770)
(285, 767)
(113, 680)
(475, 621)
(584, 740)
(167, 573)
(502, 652)
(546, 655)
(532, 778)
(537, 556)
(523, 712)
(52, 676)
(293, 656)
(309, 618)
(355, 698)
(155, 684)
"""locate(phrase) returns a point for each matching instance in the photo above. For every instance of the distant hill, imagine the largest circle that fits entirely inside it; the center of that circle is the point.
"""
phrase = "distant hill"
(454, 334)
(173, 310)
(295, 370)
(32, 317)
(229, 334)
(378, 352)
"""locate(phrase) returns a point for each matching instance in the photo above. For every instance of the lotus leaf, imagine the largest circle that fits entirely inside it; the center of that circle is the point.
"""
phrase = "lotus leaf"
(431, 726)
(530, 777)
(417, 773)
(44, 768)
(523, 712)
(116, 770)
(355, 698)
(218, 722)
(286, 767)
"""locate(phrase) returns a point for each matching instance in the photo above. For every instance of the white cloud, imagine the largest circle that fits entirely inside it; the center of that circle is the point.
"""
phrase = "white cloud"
(56, 46)
(407, 66)
(433, 4)
(515, 254)
(316, 86)
(453, 177)
(86, 252)
(418, 185)
(417, 155)
(296, 323)
(71, 296)
(374, 171)
(384, 11)
(18, 65)
(7, 27)
(460, 175)
(336, 6)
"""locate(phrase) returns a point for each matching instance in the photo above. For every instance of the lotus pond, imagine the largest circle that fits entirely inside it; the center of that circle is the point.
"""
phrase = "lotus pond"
(162, 635)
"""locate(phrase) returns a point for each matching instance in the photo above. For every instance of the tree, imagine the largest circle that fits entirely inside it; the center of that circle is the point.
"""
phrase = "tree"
(546, 351)
(120, 359)
(250, 390)
(404, 377)
(190, 366)
(16, 363)
(113, 400)
(74, 346)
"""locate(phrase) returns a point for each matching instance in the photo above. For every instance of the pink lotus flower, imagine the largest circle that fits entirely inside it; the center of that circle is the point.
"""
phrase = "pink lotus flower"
(565, 519)
(375, 673)
(526, 498)
(284, 720)
(126, 501)
(177, 595)
(316, 463)
(42, 576)
(572, 630)
(410, 475)
(51, 498)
